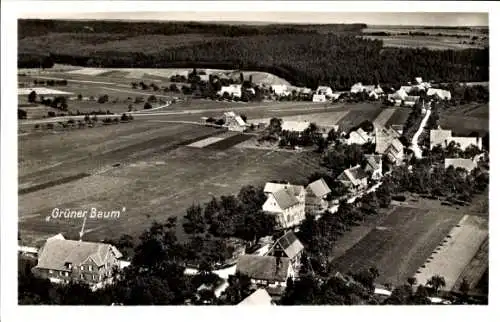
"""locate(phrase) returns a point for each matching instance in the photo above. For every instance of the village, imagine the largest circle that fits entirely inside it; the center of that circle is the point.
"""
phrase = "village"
(275, 260)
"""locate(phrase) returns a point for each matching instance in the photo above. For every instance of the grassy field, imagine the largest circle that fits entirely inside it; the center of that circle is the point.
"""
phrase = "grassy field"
(464, 125)
(357, 114)
(400, 243)
(157, 176)
(430, 42)
(399, 117)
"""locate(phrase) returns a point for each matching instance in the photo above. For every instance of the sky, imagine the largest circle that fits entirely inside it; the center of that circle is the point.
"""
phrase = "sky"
(370, 18)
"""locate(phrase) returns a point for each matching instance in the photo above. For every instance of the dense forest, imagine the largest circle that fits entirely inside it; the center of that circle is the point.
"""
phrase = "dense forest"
(299, 54)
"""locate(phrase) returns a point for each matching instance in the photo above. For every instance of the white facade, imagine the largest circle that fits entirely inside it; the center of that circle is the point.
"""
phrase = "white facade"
(280, 90)
(324, 90)
(319, 98)
(232, 90)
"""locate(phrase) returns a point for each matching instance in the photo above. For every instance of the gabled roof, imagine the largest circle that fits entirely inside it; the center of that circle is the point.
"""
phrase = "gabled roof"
(441, 93)
(319, 188)
(373, 161)
(439, 136)
(397, 145)
(57, 252)
(467, 164)
(285, 198)
(407, 89)
(295, 126)
(259, 297)
(353, 175)
(290, 244)
(263, 267)
(384, 138)
(271, 187)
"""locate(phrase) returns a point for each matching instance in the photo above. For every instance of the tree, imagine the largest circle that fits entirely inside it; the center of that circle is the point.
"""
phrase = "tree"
(103, 99)
(79, 97)
(436, 282)
(147, 106)
(239, 288)
(152, 99)
(21, 114)
(32, 97)
(194, 222)
(464, 289)
(275, 125)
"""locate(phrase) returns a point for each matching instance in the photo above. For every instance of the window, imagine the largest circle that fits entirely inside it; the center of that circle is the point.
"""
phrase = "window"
(82, 277)
(93, 277)
(82, 268)
(51, 271)
(90, 268)
(60, 273)
(66, 274)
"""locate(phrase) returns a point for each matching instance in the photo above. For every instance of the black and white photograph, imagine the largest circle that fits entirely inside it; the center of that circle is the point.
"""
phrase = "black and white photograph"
(248, 158)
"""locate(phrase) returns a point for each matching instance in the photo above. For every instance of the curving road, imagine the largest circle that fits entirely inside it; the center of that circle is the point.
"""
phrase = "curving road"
(414, 142)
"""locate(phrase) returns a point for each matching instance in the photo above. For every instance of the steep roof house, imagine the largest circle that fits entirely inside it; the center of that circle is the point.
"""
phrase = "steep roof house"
(439, 137)
(316, 194)
(324, 90)
(439, 93)
(466, 164)
(354, 178)
(266, 270)
(395, 151)
(358, 137)
(259, 297)
(295, 126)
(287, 202)
(383, 138)
(288, 246)
(234, 122)
(374, 165)
(62, 260)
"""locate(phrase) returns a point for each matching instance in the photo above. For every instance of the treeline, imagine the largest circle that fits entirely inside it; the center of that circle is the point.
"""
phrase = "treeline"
(37, 27)
(307, 60)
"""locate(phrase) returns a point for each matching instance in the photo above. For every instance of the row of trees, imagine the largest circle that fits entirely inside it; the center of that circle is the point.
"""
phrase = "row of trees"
(307, 59)
(238, 216)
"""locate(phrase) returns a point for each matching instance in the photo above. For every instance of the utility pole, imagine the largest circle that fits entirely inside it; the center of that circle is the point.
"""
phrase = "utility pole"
(83, 227)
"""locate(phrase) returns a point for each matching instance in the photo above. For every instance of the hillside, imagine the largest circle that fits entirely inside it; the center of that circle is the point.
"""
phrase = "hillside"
(304, 55)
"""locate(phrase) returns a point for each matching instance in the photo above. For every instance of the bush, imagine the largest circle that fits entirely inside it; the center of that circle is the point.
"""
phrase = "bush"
(51, 114)
(399, 198)
(21, 114)
(103, 99)
(147, 106)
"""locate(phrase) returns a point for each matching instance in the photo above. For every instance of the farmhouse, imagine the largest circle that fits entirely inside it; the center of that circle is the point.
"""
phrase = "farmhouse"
(280, 90)
(444, 137)
(287, 202)
(316, 194)
(398, 97)
(359, 87)
(358, 137)
(374, 165)
(233, 90)
(265, 270)
(324, 90)
(387, 142)
(295, 126)
(319, 98)
(259, 297)
(398, 128)
(410, 100)
(466, 164)
(406, 89)
(288, 246)
(354, 178)
(62, 260)
(234, 122)
(439, 93)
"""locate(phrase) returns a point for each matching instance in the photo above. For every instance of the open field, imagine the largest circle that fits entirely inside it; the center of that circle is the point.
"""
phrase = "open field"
(475, 270)
(142, 166)
(363, 112)
(384, 117)
(464, 125)
(320, 119)
(430, 42)
(455, 252)
(400, 243)
(399, 117)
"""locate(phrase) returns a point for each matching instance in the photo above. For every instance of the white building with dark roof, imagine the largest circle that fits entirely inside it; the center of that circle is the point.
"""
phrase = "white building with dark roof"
(62, 260)
(316, 196)
(359, 137)
(259, 297)
(266, 270)
(354, 178)
(287, 202)
(288, 246)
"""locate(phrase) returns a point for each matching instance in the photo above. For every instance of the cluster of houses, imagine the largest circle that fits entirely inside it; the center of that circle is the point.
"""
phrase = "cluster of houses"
(443, 138)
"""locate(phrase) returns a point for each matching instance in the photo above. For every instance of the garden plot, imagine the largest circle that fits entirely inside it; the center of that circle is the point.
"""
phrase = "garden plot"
(203, 143)
(455, 251)
(41, 91)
